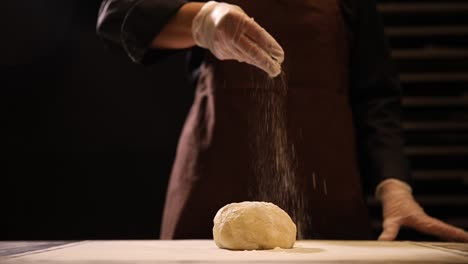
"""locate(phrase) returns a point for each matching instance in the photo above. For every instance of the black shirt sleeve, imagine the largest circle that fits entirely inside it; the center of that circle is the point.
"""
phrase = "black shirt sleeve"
(376, 99)
(131, 25)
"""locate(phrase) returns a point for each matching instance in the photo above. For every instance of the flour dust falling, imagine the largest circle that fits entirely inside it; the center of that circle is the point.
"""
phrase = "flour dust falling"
(273, 152)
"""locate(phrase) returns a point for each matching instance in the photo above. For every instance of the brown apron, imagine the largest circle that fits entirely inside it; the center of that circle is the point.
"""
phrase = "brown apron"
(213, 166)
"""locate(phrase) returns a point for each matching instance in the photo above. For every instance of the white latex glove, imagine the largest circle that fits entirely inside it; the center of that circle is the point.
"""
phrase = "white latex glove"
(400, 209)
(230, 34)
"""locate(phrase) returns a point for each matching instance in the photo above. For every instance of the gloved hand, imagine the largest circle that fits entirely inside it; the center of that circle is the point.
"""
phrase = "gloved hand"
(229, 33)
(400, 209)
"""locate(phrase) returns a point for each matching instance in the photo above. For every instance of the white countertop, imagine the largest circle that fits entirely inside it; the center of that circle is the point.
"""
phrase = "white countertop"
(205, 251)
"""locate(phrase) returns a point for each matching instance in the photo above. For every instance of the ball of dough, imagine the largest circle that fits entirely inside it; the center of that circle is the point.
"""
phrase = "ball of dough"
(253, 225)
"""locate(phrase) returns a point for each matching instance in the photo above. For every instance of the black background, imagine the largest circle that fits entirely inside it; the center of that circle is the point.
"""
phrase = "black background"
(88, 137)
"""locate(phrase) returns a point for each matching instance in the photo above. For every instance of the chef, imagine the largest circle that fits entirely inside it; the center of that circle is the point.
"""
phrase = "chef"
(342, 108)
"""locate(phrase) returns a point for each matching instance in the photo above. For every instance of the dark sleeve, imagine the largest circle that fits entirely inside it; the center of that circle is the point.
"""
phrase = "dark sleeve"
(131, 25)
(376, 100)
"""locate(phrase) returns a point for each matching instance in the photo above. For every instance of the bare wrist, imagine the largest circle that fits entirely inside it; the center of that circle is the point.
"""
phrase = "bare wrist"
(177, 34)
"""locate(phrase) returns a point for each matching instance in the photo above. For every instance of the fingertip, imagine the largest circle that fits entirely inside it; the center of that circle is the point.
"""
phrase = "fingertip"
(382, 238)
(279, 58)
(266, 41)
(274, 72)
(390, 230)
(272, 67)
(276, 51)
(387, 237)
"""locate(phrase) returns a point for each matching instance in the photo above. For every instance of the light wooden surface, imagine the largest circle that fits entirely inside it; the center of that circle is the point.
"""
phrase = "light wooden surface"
(205, 251)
